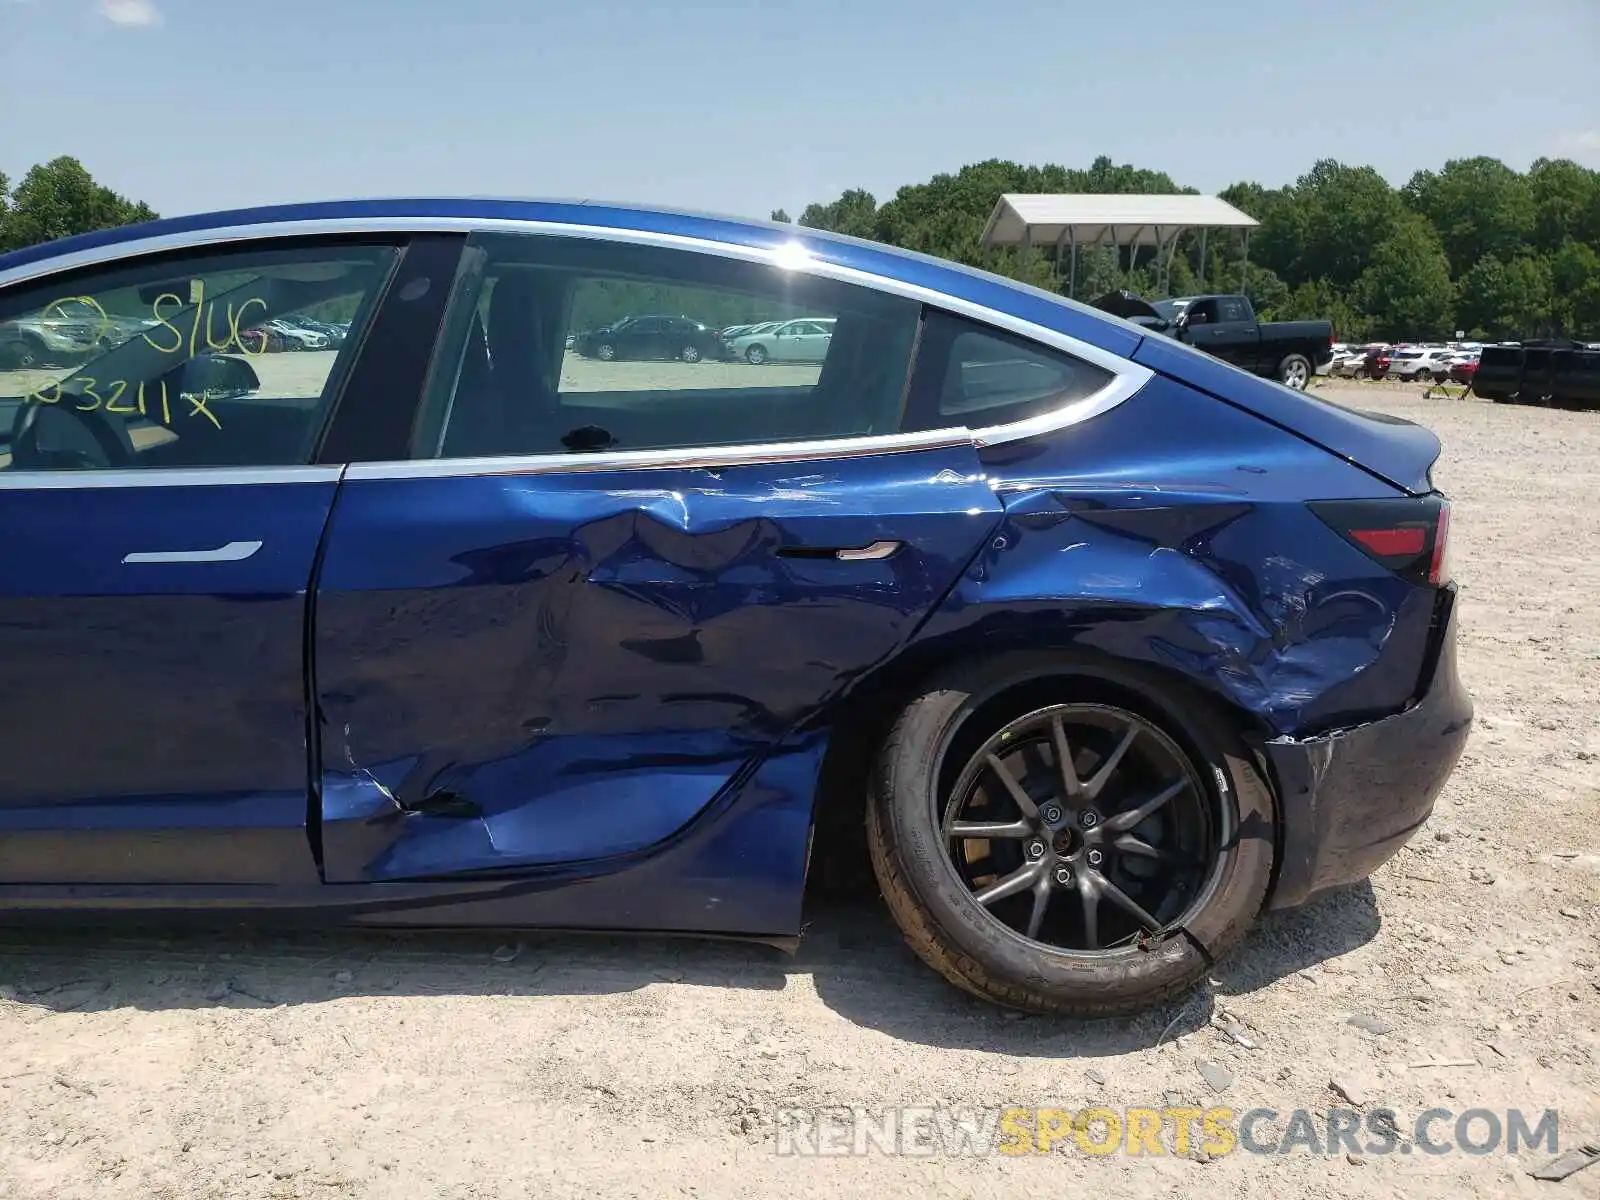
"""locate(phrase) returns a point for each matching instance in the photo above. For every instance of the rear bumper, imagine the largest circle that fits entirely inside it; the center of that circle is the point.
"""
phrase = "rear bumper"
(1349, 800)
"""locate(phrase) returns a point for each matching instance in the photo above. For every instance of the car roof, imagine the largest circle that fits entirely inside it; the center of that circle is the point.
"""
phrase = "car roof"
(905, 267)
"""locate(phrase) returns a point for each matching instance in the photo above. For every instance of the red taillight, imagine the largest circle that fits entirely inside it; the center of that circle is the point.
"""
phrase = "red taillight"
(1408, 535)
(1388, 542)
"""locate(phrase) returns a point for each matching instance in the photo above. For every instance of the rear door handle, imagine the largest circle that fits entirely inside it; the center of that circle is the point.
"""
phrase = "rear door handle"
(229, 552)
(872, 553)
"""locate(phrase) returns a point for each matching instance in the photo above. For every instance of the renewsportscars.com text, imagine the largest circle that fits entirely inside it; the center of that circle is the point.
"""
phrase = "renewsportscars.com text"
(936, 1130)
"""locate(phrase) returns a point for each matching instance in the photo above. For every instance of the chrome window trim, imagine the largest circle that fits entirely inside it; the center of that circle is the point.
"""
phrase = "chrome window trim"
(709, 457)
(1127, 376)
(12, 481)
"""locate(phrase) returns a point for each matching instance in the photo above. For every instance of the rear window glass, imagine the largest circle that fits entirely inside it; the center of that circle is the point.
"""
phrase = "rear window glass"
(974, 376)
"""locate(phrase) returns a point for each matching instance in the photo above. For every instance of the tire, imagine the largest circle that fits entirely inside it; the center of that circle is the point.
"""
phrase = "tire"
(973, 948)
(605, 352)
(690, 353)
(756, 355)
(1295, 372)
(1423, 376)
(1361, 373)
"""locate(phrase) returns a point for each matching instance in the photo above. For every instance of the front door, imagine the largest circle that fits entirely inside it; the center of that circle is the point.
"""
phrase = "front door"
(548, 658)
(159, 520)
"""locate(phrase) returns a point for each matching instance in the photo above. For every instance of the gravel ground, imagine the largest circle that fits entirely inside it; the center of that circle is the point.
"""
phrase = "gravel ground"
(206, 1064)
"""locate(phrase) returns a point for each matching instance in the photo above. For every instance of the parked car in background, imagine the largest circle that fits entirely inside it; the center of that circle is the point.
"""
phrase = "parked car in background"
(1349, 362)
(650, 336)
(1103, 646)
(334, 335)
(1226, 326)
(261, 339)
(42, 341)
(733, 331)
(296, 336)
(1420, 364)
(1464, 369)
(804, 340)
(1558, 372)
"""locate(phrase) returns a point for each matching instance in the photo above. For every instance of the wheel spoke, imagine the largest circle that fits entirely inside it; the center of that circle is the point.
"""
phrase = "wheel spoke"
(1129, 844)
(1070, 785)
(1013, 788)
(1097, 782)
(989, 829)
(1018, 881)
(1127, 904)
(1089, 900)
(1124, 821)
(1041, 901)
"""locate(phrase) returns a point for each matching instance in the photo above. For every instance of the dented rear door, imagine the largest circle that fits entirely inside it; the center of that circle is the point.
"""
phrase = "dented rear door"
(514, 670)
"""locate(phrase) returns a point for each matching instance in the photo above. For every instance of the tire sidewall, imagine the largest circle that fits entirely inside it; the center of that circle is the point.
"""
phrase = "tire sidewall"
(907, 806)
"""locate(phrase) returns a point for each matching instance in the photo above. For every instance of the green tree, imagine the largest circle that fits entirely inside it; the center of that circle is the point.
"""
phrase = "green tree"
(853, 213)
(1508, 299)
(1565, 195)
(1406, 291)
(1575, 290)
(1328, 225)
(1320, 301)
(1478, 206)
(779, 215)
(58, 199)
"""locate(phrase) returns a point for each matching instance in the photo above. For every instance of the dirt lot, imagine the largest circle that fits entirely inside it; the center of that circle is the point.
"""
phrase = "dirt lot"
(165, 1064)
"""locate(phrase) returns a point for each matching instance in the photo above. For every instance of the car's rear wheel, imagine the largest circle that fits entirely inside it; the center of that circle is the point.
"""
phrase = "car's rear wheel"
(1088, 854)
(690, 353)
(1423, 376)
(605, 352)
(756, 355)
(1361, 373)
(1295, 371)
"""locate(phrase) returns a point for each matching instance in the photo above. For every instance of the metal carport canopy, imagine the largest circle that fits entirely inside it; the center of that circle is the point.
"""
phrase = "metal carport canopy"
(1090, 218)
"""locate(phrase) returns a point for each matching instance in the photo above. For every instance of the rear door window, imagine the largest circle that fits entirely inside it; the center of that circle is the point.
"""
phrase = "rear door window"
(971, 375)
(539, 368)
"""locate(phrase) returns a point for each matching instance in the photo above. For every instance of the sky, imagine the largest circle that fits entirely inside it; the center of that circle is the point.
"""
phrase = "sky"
(745, 107)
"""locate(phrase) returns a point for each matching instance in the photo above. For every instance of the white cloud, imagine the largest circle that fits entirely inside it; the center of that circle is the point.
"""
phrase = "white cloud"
(130, 12)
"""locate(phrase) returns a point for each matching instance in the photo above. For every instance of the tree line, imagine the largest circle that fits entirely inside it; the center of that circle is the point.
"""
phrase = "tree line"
(1474, 246)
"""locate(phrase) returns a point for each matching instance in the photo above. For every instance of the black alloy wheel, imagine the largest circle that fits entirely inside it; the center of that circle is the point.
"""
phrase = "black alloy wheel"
(1090, 842)
(1084, 827)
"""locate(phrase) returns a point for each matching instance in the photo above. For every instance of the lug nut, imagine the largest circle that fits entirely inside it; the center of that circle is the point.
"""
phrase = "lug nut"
(1096, 858)
(1063, 875)
(1089, 819)
(1035, 849)
(1052, 814)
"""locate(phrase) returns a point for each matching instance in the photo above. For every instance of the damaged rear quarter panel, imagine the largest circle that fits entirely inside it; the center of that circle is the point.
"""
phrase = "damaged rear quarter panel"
(1173, 531)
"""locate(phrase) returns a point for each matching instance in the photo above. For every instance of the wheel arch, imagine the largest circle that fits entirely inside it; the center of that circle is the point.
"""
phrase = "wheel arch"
(1025, 669)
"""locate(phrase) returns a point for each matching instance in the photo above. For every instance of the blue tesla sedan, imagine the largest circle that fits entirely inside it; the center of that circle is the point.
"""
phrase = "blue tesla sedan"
(1107, 646)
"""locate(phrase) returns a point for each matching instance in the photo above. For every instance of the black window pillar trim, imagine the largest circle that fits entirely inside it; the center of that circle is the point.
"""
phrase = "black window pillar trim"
(377, 408)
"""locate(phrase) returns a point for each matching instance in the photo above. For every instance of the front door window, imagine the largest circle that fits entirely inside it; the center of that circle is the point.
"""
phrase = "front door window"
(225, 360)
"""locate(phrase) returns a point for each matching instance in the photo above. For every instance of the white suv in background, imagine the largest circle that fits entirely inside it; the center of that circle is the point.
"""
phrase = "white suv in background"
(1423, 363)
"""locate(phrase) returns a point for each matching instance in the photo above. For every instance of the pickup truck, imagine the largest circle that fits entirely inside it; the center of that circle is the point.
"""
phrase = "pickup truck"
(1226, 326)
